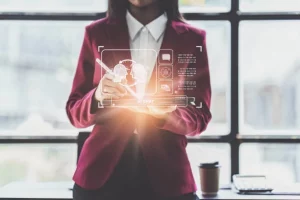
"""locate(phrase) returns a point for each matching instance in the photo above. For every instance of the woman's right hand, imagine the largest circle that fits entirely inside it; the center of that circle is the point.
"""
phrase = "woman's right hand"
(108, 89)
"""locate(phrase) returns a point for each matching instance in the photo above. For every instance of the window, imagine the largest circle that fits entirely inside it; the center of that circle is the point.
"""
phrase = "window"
(269, 89)
(269, 65)
(204, 6)
(279, 162)
(36, 75)
(37, 162)
(270, 5)
(53, 6)
(218, 47)
(253, 48)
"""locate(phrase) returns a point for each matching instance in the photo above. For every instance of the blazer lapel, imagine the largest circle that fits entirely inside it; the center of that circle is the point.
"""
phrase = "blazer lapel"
(171, 36)
(171, 40)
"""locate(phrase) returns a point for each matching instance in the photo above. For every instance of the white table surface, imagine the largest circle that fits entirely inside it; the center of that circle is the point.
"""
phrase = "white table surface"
(61, 190)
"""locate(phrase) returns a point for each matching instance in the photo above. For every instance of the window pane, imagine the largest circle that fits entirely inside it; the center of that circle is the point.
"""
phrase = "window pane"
(218, 47)
(279, 162)
(187, 6)
(210, 152)
(37, 162)
(38, 60)
(55, 6)
(270, 63)
(270, 5)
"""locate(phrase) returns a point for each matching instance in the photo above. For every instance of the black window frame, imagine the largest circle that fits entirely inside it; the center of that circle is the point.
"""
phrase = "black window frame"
(234, 16)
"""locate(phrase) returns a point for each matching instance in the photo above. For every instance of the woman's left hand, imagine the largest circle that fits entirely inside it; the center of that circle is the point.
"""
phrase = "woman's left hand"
(161, 112)
(155, 111)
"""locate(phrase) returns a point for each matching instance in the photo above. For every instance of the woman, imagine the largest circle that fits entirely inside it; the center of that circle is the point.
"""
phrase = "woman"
(138, 153)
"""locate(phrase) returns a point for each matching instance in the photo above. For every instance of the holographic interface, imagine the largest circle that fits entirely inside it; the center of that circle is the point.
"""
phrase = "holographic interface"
(148, 82)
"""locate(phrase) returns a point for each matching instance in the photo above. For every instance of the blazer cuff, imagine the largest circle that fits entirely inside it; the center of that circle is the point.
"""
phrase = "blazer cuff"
(94, 106)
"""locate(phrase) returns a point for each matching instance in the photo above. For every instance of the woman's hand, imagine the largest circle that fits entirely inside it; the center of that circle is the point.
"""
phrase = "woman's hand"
(108, 89)
(155, 111)
(161, 112)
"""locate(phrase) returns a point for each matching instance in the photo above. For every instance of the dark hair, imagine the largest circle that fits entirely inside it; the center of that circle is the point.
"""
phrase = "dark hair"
(117, 9)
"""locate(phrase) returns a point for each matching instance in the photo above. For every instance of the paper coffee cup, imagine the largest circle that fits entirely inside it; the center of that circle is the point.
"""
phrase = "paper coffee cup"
(209, 178)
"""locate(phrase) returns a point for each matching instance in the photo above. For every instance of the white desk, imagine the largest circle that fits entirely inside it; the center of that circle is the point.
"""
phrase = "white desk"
(61, 191)
(228, 194)
(43, 191)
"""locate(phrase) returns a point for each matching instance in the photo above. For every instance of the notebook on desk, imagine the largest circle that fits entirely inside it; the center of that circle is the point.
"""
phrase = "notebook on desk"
(287, 189)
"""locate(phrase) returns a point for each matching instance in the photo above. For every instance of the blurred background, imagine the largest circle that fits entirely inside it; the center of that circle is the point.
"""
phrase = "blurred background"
(38, 60)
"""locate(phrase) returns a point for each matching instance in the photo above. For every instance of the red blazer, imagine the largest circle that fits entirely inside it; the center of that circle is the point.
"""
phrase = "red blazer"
(163, 142)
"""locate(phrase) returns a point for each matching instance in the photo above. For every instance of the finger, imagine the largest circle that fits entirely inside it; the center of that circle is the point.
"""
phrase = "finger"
(118, 87)
(158, 110)
(171, 108)
(153, 109)
(106, 79)
(131, 108)
(112, 90)
(138, 109)
(110, 96)
(164, 108)
(167, 109)
(124, 81)
(142, 109)
(111, 83)
(122, 89)
(108, 76)
(174, 107)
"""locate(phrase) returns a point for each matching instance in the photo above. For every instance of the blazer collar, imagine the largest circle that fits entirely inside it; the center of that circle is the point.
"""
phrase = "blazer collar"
(179, 27)
(155, 27)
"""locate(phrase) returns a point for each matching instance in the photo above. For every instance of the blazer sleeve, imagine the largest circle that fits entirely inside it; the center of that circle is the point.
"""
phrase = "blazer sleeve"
(81, 106)
(191, 121)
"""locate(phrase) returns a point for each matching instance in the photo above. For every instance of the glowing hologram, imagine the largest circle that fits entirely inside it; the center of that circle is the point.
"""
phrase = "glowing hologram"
(138, 73)
(126, 60)
(135, 74)
(200, 105)
(165, 56)
(99, 47)
(165, 71)
(100, 105)
(200, 47)
(121, 72)
(157, 101)
(129, 64)
(165, 87)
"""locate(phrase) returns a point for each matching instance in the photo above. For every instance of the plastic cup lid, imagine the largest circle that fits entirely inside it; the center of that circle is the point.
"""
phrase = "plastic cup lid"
(210, 165)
